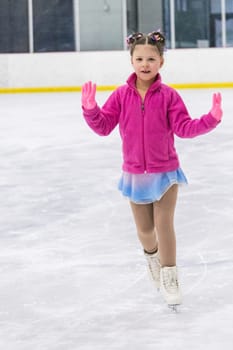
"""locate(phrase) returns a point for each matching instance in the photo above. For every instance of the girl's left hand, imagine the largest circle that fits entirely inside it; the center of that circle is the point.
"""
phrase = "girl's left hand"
(216, 110)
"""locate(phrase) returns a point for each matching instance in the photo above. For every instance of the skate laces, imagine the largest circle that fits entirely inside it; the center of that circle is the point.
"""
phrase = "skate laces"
(170, 281)
(154, 264)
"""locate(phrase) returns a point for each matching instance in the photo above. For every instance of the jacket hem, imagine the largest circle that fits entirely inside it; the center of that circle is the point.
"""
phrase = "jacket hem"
(155, 169)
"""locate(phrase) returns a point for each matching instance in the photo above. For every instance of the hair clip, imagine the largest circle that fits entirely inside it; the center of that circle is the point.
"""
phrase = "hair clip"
(133, 37)
(157, 36)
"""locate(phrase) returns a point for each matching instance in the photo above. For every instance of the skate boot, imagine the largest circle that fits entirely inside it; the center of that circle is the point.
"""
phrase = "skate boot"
(169, 286)
(154, 267)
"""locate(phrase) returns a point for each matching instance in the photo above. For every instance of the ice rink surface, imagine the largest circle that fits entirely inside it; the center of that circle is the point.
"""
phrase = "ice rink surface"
(72, 272)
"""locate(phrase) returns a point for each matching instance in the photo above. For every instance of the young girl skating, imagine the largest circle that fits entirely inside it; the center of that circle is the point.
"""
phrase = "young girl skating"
(149, 113)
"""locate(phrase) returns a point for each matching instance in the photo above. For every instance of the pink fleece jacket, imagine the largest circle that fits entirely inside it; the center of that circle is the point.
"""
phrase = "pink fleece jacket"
(147, 127)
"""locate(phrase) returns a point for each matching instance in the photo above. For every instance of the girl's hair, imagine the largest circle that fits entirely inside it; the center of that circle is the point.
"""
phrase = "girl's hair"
(156, 39)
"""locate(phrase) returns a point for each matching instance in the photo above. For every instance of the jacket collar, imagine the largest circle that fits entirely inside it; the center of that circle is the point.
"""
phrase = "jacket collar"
(131, 81)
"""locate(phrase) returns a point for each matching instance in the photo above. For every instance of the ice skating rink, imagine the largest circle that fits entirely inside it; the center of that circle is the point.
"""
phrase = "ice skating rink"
(72, 273)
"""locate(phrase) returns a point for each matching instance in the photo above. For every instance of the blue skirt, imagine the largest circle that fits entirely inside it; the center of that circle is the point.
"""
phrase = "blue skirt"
(150, 187)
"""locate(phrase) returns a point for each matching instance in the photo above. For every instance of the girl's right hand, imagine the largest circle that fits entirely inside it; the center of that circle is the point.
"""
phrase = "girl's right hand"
(88, 95)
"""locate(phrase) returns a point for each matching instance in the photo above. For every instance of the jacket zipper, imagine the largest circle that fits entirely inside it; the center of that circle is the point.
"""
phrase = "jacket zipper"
(143, 137)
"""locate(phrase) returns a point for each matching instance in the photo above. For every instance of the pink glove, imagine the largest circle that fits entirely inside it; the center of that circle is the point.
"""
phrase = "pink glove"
(216, 110)
(88, 95)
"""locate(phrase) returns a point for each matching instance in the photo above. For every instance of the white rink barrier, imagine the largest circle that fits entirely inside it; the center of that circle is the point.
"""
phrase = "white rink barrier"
(187, 68)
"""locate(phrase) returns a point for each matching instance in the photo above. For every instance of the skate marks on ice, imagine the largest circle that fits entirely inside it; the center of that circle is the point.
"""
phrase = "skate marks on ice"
(72, 275)
(204, 283)
(192, 275)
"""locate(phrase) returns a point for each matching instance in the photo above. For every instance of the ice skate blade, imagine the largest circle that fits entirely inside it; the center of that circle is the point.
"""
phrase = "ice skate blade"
(174, 307)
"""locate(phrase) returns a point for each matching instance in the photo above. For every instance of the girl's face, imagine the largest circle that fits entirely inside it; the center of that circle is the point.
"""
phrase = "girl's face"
(146, 62)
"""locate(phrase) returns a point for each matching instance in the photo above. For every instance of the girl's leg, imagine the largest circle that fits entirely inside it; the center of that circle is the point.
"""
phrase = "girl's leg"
(164, 210)
(144, 220)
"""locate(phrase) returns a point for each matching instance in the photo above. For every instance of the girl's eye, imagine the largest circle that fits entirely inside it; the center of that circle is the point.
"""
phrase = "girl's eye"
(151, 59)
(138, 59)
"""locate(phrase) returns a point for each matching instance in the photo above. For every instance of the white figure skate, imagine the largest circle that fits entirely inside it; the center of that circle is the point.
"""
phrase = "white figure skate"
(169, 286)
(154, 267)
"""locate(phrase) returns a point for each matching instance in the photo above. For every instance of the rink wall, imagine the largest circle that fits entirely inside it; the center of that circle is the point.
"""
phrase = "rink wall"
(183, 68)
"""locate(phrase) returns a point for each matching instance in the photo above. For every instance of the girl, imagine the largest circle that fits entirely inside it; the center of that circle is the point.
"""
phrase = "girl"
(149, 113)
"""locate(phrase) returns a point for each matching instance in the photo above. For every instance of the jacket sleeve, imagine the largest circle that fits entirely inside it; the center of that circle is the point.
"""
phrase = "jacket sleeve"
(182, 124)
(104, 120)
